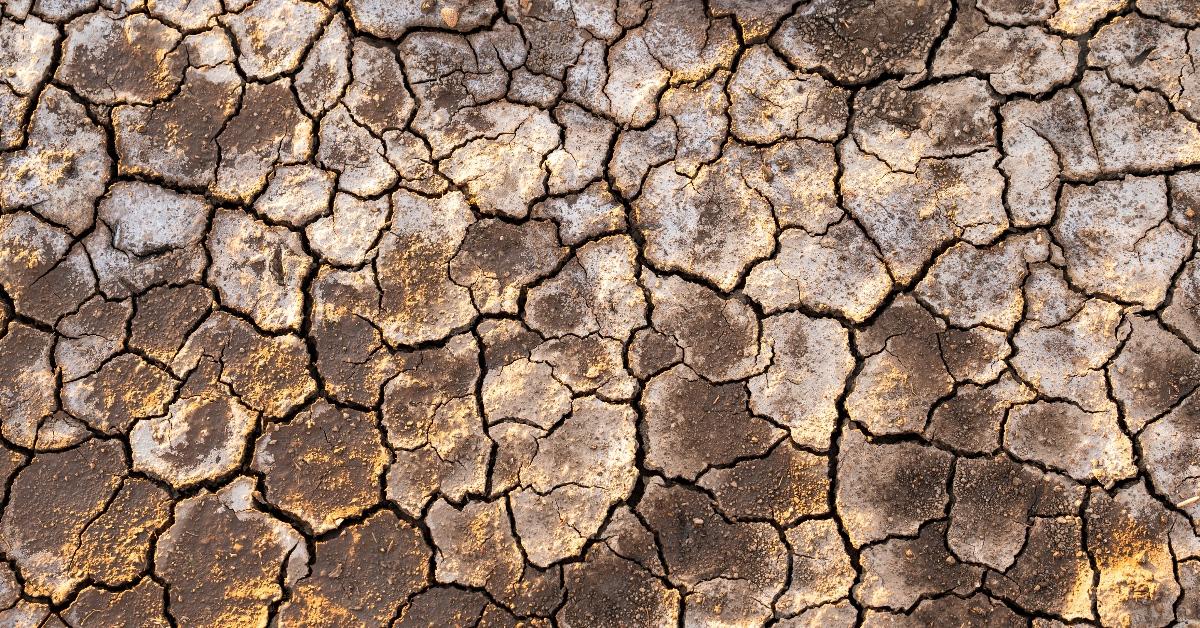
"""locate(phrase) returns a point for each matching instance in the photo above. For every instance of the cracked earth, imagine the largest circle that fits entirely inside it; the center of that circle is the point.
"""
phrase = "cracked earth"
(599, 313)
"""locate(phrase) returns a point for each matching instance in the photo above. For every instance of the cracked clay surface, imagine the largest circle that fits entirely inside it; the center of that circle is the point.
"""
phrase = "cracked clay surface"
(599, 313)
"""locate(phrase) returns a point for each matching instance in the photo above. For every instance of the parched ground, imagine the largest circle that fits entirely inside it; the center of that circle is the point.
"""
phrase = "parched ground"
(599, 313)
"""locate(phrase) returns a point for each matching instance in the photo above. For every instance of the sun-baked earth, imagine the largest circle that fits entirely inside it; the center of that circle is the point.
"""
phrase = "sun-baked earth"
(592, 313)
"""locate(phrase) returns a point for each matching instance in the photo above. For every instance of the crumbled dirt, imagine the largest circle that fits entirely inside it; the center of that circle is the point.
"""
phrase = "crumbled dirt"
(599, 313)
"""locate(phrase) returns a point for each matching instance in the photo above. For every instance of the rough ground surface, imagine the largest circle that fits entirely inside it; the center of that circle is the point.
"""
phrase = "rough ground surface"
(599, 313)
